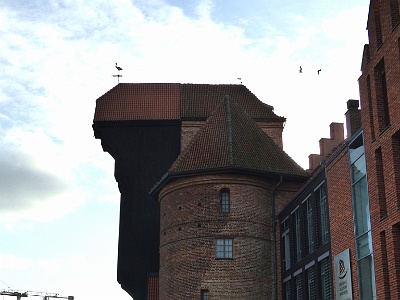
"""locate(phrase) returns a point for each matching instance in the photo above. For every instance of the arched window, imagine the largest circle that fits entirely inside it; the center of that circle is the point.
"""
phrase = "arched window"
(225, 201)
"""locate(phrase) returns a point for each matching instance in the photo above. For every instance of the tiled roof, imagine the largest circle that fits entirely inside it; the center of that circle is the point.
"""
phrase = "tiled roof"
(200, 100)
(137, 101)
(231, 140)
(174, 101)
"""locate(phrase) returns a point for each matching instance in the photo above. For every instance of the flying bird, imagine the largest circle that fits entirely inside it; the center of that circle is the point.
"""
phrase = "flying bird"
(118, 68)
(301, 70)
(319, 71)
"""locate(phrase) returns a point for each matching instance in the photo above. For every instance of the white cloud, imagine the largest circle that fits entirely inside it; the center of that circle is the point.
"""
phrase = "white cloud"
(10, 261)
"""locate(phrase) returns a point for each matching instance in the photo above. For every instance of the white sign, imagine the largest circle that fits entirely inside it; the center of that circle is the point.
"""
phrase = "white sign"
(344, 290)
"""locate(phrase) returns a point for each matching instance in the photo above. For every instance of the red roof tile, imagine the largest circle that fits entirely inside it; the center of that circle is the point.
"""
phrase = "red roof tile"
(174, 101)
(231, 140)
(136, 101)
(200, 100)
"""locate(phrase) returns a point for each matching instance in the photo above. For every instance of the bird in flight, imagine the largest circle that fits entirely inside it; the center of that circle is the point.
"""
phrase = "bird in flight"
(118, 68)
(319, 71)
(301, 70)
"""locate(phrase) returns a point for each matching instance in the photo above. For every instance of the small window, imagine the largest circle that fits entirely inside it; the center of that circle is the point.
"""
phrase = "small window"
(224, 249)
(225, 201)
(204, 295)
(382, 101)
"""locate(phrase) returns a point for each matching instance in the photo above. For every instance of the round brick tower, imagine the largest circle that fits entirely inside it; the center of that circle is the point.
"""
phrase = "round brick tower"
(216, 238)
(216, 235)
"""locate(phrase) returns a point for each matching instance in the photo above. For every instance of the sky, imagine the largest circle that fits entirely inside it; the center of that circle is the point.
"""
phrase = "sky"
(59, 202)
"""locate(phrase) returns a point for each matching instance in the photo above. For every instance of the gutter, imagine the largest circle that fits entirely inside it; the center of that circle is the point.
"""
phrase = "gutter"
(274, 240)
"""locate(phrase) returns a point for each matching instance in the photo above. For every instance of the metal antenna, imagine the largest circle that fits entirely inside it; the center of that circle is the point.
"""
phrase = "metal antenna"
(119, 69)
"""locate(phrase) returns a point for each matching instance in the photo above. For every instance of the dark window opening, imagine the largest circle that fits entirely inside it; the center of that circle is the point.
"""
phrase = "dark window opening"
(394, 13)
(325, 277)
(385, 268)
(380, 183)
(296, 235)
(377, 19)
(225, 201)
(396, 164)
(311, 288)
(382, 102)
(204, 294)
(287, 291)
(396, 247)
(323, 221)
(370, 108)
(309, 225)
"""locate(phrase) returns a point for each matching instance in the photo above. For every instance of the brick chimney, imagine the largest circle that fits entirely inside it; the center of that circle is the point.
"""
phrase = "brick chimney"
(326, 146)
(353, 117)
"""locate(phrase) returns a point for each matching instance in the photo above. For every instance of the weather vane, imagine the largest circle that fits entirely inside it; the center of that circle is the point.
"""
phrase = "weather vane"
(119, 69)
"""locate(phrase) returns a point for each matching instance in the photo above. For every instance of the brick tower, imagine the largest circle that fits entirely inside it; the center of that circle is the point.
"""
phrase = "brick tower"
(216, 207)
(144, 127)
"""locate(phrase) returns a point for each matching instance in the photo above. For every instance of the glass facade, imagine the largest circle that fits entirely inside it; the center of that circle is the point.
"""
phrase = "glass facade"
(362, 224)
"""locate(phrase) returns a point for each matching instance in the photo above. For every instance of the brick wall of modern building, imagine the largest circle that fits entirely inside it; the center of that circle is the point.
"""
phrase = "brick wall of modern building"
(382, 140)
(341, 212)
(191, 221)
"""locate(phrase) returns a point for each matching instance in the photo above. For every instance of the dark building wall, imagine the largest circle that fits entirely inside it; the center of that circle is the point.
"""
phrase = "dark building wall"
(143, 152)
(302, 251)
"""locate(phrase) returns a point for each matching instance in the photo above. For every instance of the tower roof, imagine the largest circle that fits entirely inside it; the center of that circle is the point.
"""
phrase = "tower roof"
(175, 101)
(231, 141)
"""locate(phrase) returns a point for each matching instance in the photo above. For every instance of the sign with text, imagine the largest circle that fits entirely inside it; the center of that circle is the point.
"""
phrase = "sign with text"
(344, 289)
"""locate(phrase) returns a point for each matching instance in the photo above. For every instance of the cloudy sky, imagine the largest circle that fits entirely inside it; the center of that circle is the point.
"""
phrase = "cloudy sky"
(59, 203)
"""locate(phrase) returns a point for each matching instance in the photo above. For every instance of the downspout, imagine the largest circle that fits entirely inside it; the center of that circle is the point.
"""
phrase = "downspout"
(274, 240)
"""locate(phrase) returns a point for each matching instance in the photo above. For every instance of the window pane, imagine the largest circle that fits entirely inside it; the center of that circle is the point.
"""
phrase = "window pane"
(228, 248)
(220, 248)
(358, 169)
(365, 274)
(204, 295)
(224, 248)
(326, 285)
(299, 288)
(361, 204)
(286, 251)
(356, 148)
(323, 206)
(364, 246)
(225, 202)
(297, 236)
(288, 291)
(310, 227)
(311, 284)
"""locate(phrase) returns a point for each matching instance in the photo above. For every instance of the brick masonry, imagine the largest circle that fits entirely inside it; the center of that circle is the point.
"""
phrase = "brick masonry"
(191, 221)
(382, 141)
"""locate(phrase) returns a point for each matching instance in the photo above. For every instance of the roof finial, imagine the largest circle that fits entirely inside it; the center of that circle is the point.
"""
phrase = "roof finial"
(119, 69)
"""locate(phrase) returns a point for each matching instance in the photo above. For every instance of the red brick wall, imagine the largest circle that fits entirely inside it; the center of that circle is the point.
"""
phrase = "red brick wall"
(382, 169)
(341, 212)
(190, 223)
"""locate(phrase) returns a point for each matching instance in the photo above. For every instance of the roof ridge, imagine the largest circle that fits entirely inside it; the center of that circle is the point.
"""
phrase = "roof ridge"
(228, 101)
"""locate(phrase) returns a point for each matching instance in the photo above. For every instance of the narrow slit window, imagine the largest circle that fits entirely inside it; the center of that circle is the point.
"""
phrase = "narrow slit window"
(225, 201)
